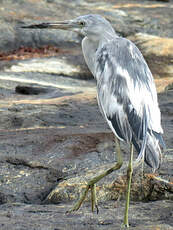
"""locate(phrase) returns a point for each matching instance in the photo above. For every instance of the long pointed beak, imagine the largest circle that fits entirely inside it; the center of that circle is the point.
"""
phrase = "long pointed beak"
(64, 25)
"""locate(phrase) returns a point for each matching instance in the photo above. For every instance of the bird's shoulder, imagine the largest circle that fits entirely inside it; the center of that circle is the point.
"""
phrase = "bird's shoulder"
(119, 47)
(125, 59)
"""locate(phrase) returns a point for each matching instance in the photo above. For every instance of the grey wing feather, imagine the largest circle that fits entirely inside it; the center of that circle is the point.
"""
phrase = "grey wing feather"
(127, 96)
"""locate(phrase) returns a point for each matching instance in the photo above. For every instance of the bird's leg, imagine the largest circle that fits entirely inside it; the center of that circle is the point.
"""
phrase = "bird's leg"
(91, 184)
(129, 179)
(94, 198)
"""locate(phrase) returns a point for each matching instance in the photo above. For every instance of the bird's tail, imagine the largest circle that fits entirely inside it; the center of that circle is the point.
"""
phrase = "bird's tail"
(148, 147)
(153, 155)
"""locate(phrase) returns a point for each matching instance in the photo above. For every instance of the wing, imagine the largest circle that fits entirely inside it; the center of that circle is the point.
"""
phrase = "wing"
(126, 91)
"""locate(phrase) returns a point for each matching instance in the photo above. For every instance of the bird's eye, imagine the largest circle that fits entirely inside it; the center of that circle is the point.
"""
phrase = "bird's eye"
(82, 23)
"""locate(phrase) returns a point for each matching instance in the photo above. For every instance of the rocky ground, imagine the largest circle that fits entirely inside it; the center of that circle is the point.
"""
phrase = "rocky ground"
(53, 137)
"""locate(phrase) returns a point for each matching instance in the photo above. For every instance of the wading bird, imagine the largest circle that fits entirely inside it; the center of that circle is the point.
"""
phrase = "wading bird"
(126, 95)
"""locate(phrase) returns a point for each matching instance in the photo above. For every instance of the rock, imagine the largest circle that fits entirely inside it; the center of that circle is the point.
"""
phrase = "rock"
(72, 65)
(162, 0)
(7, 37)
(146, 188)
(125, 19)
(48, 150)
(147, 216)
(53, 137)
(69, 60)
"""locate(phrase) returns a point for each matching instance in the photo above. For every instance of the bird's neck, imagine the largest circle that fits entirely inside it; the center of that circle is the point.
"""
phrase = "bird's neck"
(90, 47)
(107, 36)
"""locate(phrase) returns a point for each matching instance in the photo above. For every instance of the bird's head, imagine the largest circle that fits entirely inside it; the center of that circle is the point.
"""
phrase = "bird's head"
(87, 25)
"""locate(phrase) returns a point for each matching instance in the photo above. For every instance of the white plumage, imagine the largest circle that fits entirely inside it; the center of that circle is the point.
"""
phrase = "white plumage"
(127, 95)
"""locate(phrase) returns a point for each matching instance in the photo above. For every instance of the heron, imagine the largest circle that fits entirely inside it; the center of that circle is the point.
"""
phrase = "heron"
(126, 96)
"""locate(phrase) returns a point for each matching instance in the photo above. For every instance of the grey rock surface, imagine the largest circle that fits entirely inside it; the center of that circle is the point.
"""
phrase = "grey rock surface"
(53, 137)
(128, 18)
(53, 142)
(47, 217)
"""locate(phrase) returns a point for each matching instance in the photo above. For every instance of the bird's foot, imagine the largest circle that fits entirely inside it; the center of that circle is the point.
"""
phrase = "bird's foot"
(156, 177)
(124, 226)
(78, 204)
(80, 201)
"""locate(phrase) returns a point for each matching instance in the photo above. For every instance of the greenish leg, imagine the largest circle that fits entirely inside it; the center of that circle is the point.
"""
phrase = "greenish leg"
(80, 201)
(129, 179)
(93, 198)
(91, 184)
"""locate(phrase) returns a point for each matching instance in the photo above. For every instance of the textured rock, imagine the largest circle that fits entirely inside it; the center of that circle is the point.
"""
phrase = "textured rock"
(144, 188)
(128, 18)
(7, 37)
(54, 139)
(147, 216)
(132, 20)
(48, 151)
(60, 65)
